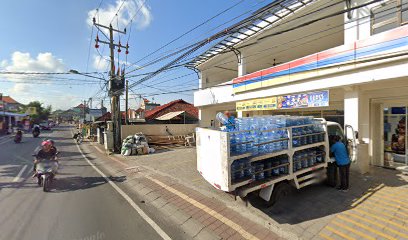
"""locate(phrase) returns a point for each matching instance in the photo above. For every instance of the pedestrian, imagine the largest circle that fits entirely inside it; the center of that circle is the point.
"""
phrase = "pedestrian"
(342, 161)
(231, 120)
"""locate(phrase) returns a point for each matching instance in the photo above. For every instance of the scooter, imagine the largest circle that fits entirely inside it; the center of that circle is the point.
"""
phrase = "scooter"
(46, 171)
(36, 133)
(78, 137)
(18, 137)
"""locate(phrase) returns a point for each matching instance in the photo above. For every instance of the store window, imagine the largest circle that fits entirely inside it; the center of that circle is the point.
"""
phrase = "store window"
(389, 15)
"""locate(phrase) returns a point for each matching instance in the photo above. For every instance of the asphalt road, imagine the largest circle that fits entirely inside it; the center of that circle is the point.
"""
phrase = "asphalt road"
(81, 205)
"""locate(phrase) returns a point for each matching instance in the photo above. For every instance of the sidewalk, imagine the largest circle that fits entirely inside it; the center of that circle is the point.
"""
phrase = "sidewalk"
(315, 212)
(199, 215)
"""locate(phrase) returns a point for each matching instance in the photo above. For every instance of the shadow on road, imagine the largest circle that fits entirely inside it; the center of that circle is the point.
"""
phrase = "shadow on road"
(69, 184)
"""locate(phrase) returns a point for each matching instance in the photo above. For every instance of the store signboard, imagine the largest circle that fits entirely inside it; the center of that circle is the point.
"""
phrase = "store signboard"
(31, 110)
(257, 104)
(302, 100)
(318, 99)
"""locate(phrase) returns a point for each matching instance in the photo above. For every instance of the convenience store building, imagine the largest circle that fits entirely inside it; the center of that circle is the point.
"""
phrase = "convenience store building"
(346, 61)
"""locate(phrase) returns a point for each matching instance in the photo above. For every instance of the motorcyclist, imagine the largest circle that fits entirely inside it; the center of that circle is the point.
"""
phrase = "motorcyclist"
(36, 128)
(19, 136)
(48, 152)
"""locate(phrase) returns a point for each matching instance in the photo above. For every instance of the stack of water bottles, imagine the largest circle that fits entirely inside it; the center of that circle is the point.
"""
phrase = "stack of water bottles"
(307, 135)
(243, 169)
(259, 135)
(307, 158)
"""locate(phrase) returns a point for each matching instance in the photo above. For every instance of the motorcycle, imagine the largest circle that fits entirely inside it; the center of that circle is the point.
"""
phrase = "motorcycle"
(46, 171)
(78, 137)
(36, 132)
(18, 137)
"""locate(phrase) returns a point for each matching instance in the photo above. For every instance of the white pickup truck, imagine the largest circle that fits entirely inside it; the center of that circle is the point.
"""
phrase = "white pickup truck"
(270, 174)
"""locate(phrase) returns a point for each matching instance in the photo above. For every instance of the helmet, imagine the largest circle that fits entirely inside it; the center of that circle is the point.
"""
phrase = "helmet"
(46, 143)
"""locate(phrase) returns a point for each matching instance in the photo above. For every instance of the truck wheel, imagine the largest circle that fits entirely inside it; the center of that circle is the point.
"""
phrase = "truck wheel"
(280, 191)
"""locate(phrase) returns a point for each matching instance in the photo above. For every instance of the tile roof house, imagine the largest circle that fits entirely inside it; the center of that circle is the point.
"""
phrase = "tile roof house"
(10, 104)
(177, 111)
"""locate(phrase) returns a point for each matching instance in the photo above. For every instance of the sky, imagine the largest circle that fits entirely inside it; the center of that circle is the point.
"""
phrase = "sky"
(57, 36)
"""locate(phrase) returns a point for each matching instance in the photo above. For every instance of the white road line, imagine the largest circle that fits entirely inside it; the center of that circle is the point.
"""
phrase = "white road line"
(6, 141)
(17, 178)
(128, 199)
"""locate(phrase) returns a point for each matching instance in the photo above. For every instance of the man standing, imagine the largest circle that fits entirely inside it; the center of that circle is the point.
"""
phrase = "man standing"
(343, 162)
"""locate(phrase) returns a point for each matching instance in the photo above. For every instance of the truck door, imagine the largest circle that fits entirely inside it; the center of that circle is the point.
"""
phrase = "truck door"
(350, 141)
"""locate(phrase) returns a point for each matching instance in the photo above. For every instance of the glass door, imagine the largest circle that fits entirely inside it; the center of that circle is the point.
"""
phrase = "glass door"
(395, 136)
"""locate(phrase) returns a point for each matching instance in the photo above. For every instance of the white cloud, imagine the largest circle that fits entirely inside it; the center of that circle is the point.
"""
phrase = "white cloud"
(24, 91)
(23, 62)
(100, 63)
(126, 13)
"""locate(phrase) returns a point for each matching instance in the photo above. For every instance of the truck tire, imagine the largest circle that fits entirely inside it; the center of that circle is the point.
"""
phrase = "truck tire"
(331, 175)
(280, 191)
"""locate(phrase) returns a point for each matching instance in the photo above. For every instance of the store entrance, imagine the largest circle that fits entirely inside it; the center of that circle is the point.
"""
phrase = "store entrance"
(395, 136)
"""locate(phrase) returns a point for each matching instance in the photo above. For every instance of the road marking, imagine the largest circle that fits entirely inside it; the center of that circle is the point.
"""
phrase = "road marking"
(380, 225)
(6, 141)
(17, 178)
(381, 219)
(367, 228)
(206, 209)
(381, 195)
(128, 199)
(325, 236)
(367, 195)
(343, 235)
(400, 192)
(353, 230)
(395, 217)
(395, 206)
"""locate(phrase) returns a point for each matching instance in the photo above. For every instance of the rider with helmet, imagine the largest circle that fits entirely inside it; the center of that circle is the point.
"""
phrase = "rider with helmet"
(48, 151)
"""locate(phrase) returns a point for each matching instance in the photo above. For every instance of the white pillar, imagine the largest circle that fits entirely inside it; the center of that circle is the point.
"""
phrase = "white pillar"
(356, 114)
(240, 114)
(241, 65)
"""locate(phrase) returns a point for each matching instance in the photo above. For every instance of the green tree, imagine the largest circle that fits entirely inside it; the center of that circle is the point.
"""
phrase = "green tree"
(42, 112)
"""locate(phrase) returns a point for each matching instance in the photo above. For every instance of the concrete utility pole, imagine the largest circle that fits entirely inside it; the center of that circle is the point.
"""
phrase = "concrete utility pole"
(83, 109)
(126, 103)
(116, 87)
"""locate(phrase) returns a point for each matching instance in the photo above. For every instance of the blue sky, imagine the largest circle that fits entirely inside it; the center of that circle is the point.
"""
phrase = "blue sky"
(54, 36)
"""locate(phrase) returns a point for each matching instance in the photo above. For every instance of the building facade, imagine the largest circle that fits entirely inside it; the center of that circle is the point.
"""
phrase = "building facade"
(345, 61)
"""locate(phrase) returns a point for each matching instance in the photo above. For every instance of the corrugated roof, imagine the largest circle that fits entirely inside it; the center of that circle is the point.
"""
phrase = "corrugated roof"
(262, 19)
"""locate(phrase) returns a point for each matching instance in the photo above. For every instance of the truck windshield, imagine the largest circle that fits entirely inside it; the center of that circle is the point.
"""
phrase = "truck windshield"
(335, 130)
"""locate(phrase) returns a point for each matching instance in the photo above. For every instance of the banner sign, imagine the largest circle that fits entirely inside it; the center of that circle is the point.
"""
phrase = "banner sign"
(257, 104)
(318, 99)
(302, 100)
(31, 110)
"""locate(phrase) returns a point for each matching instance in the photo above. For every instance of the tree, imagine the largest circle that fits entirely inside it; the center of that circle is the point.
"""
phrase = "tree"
(42, 112)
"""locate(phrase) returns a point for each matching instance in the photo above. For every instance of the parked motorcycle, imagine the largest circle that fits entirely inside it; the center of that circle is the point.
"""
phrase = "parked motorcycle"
(18, 137)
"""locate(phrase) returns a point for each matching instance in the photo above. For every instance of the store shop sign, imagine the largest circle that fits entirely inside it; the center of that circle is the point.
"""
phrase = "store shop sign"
(257, 104)
(303, 100)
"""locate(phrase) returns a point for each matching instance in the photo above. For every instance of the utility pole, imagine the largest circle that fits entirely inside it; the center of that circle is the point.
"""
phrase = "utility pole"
(126, 103)
(83, 109)
(116, 85)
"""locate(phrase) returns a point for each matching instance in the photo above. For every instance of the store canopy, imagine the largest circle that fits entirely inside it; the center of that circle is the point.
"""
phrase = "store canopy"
(13, 114)
(169, 115)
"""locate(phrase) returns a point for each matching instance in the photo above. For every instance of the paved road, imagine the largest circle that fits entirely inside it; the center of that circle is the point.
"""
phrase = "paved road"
(82, 205)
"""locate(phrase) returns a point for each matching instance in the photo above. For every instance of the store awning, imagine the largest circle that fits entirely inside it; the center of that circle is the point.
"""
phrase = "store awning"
(169, 115)
(11, 114)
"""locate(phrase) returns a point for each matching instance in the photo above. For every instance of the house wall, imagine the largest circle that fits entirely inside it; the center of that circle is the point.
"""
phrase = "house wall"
(158, 129)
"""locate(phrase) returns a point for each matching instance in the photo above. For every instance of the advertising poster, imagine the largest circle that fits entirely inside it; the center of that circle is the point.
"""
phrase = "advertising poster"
(318, 99)
(293, 101)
